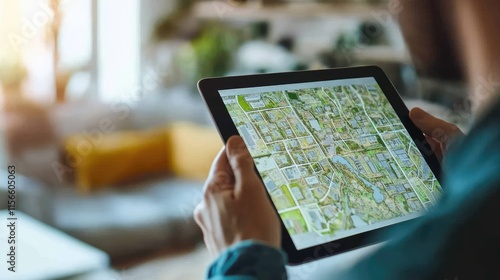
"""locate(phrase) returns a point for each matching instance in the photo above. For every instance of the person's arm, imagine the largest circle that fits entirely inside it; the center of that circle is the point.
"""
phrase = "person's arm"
(249, 260)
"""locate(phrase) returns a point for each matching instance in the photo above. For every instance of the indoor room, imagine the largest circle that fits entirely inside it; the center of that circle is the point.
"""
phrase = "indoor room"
(109, 141)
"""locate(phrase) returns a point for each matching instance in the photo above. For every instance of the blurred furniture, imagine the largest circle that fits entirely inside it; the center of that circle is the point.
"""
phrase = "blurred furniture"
(46, 253)
(125, 220)
(332, 265)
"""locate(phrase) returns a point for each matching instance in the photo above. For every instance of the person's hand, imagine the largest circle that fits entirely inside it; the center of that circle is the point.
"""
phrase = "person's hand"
(235, 205)
(438, 132)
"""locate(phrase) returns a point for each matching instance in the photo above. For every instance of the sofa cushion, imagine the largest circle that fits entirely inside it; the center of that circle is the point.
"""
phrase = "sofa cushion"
(192, 149)
(116, 158)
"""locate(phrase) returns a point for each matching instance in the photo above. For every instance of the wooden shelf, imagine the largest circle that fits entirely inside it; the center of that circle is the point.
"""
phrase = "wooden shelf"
(224, 11)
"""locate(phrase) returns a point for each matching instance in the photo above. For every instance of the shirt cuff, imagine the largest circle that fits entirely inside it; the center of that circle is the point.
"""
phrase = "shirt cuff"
(249, 260)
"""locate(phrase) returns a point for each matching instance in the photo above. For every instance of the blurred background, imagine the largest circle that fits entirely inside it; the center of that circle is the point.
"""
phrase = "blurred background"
(101, 116)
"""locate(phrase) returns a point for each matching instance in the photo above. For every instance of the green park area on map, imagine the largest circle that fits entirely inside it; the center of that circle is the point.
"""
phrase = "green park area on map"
(333, 159)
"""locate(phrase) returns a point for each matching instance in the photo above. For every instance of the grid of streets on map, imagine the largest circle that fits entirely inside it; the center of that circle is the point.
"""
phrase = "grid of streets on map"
(334, 159)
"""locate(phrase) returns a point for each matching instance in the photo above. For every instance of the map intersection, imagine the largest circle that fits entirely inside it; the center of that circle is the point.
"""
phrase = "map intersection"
(335, 160)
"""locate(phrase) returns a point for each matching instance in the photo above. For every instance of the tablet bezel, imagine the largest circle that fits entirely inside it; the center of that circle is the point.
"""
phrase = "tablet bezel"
(209, 90)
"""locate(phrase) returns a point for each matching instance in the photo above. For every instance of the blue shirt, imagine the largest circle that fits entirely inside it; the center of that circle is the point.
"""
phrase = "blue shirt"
(458, 239)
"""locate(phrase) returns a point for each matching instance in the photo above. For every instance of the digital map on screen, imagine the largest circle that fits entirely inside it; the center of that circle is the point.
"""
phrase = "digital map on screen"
(334, 157)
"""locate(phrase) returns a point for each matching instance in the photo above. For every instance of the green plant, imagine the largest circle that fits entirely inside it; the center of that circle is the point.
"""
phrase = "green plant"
(214, 50)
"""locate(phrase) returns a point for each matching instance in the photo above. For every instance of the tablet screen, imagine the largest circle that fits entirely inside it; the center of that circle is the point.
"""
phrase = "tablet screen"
(334, 157)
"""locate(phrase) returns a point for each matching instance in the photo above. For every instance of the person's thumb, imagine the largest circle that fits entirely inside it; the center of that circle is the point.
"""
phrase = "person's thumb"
(239, 158)
(432, 126)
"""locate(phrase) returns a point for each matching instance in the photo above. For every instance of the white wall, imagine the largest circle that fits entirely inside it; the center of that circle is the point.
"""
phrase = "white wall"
(118, 44)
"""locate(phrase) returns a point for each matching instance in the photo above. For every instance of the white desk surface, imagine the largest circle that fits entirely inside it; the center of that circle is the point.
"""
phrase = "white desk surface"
(44, 252)
(327, 267)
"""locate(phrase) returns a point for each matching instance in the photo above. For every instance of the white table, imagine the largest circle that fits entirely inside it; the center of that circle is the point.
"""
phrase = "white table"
(327, 268)
(46, 253)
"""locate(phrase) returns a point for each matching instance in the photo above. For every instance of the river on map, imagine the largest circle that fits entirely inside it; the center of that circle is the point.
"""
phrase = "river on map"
(377, 194)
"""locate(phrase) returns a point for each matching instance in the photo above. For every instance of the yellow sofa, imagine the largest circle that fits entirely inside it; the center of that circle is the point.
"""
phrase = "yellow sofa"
(181, 149)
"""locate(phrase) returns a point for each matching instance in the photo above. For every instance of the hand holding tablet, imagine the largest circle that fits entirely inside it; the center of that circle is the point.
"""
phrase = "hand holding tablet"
(233, 189)
(336, 150)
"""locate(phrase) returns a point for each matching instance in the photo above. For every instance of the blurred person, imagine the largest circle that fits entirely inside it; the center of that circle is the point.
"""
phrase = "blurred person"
(454, 41)
(458, 239)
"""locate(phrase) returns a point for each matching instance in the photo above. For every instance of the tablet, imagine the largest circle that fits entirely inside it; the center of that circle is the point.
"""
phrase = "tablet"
(336, 151)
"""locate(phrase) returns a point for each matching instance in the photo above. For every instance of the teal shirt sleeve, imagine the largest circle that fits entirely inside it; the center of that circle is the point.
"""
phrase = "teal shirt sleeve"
(249, 260)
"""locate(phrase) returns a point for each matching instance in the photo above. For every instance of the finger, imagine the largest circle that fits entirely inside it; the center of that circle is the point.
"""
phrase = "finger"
(218, 210)
(220, 172)
(203, 216)
(198, 215)
(240, 159)
(219, 215)
(210, 245)
(436, 128)
(220, 162)
(219, 182)
(440, 153)
(436, 147)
